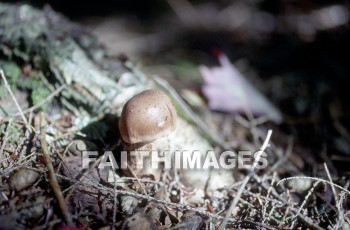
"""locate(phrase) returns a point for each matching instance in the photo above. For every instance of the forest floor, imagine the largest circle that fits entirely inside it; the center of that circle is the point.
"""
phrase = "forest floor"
(302, 121)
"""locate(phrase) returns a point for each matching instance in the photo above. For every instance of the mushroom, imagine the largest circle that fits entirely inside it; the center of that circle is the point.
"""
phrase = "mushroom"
(146, 117)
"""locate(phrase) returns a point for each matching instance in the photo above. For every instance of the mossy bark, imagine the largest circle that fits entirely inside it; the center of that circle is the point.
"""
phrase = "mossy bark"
(61, 53)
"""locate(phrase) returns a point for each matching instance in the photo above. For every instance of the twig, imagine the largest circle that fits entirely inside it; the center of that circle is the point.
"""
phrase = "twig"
(124, 179)
(41, 103)
(18, 163)
(245, 182)
(280, 201)
(51, 173)
(137, 179)
(267, 196)
(332, 185)
(341, 215)
(315, 179)
(303, 205)
(2, 156)
(7, 86)
(178, 206)
(337, 203)
(115, 201)
(192, 117)
(281, 160)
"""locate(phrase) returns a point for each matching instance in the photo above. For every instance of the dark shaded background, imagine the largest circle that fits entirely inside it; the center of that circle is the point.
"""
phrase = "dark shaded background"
(77, 9)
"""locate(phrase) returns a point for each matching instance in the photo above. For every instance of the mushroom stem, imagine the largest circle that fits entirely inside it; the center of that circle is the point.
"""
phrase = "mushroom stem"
(139, 161)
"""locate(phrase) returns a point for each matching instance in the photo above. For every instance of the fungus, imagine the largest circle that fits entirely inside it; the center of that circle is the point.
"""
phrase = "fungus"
(146, 117)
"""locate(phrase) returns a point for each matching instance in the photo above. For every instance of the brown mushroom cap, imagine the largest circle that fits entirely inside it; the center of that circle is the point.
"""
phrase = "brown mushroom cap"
(147, 116)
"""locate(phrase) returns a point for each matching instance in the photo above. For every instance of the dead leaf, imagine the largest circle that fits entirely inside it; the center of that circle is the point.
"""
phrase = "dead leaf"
(129, 204)
(190, 221)
(23, 179)
(227, 90)
(139, 221)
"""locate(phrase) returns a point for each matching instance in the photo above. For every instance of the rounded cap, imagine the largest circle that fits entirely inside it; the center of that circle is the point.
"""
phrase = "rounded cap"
(147, 116)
